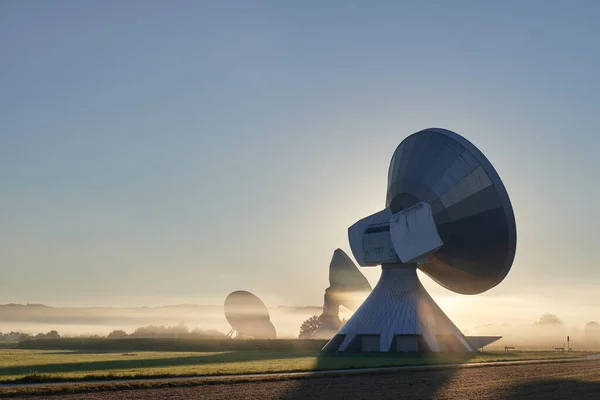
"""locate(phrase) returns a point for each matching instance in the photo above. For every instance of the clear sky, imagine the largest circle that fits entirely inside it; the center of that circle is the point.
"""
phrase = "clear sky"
(155, 152)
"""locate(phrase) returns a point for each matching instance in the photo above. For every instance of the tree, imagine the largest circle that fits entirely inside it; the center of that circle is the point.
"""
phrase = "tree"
(549, 319)
(118, 333)
(161, 331)
(211, 333)
(52, 335)
(310, 326)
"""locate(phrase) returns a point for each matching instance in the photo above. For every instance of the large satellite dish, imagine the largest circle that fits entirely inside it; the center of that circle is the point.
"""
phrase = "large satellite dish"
(248, 316)
(448, 214)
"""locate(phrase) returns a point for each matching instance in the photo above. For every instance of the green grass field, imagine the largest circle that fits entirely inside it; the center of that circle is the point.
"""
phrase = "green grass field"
(43, 365)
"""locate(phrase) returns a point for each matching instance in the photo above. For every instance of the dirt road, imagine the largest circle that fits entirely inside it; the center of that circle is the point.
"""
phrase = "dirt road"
(574, 380)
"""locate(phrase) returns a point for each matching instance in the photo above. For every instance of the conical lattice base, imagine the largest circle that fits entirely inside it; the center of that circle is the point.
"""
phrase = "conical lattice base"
(398, 316)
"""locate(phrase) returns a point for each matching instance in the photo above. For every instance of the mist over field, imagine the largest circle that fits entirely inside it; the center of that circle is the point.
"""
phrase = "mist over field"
(75, 321)
(548, 332)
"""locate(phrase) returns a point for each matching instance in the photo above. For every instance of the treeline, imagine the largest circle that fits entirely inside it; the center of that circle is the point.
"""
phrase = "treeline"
(160, 331)
(129, 344)
(162, 338)
(150, 331)
(18, 336)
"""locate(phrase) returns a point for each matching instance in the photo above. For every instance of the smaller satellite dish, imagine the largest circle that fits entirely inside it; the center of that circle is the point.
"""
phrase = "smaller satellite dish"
(348, 287)
(248, 316)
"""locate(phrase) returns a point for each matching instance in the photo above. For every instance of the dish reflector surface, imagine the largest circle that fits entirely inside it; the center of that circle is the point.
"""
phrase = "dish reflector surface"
(248, 315)
(344, 274)
(348, 286)
(470, 207)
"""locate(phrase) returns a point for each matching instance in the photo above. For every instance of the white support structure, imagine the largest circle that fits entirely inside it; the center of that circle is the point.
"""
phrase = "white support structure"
(399, 308)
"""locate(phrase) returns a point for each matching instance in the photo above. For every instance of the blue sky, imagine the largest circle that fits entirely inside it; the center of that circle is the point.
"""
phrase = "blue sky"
(154, 152)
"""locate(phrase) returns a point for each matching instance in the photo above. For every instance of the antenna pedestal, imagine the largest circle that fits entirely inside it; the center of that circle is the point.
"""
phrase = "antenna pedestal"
(330, 320)
(398, 316)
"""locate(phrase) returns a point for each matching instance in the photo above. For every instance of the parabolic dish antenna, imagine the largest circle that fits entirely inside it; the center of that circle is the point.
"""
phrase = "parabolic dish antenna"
(448, 214)
(248, 316)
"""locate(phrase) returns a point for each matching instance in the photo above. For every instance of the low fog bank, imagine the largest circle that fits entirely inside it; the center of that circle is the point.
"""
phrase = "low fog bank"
(548, 333)
(78, 321)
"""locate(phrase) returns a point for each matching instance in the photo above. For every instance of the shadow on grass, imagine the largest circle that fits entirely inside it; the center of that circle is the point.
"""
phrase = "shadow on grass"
(131, 362)
(284, 361)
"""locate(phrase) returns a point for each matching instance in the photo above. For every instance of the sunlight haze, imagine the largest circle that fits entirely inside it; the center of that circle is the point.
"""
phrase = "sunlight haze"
(156, 153)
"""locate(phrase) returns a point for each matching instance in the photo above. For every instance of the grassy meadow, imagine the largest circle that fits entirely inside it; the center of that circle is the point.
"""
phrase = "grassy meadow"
(18, 365)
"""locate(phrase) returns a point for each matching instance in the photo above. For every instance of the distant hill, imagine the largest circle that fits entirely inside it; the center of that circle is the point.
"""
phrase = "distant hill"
(170, 314)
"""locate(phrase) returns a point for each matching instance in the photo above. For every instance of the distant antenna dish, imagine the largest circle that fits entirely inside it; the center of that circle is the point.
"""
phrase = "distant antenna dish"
(348, 287)
(448, 214)
(248, 316)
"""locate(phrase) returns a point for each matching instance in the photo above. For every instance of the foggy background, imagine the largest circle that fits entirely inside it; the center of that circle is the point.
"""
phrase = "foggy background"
(154, 155)
(546, 332)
